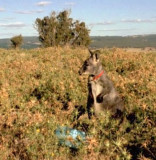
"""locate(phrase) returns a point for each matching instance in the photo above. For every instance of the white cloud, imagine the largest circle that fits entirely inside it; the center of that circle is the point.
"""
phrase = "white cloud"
(24, 12)
(39, 11)
(2, 9)
(101, 23)
(138, 20)
(43, 3)
(29, 12)
(7, 19)
(13, 25)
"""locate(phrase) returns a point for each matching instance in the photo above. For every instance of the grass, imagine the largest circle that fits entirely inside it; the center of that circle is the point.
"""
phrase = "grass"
(40, 89)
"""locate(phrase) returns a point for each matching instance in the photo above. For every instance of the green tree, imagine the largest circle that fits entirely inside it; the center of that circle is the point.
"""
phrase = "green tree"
(47, 30)
(61, 30)
(16, 41)
(64, 28)
(81, 34)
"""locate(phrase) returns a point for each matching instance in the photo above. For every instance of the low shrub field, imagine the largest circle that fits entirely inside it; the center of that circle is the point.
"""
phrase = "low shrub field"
(41, 90)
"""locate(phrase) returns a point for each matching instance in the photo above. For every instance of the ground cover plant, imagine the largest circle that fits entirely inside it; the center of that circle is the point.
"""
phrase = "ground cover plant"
(40, 89)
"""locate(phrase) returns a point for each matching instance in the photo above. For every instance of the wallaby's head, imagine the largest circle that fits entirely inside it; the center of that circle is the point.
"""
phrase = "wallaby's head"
(91, 65)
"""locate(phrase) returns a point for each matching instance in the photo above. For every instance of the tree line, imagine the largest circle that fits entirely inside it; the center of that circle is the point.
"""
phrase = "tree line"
(58, 30)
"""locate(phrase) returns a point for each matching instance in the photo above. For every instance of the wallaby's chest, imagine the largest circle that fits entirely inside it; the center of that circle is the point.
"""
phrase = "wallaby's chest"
(96, 89)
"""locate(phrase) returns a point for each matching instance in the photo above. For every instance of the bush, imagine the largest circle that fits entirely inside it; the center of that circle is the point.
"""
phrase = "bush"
(16, 41)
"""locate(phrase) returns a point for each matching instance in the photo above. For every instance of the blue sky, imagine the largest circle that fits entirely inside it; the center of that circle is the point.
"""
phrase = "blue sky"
(102, 17)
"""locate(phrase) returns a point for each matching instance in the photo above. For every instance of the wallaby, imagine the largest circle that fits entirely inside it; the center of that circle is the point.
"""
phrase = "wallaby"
(102, 94)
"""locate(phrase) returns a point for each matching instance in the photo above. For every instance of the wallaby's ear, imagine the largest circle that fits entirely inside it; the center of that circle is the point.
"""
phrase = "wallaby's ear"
(94, 55)
(97, 53)
(97, 56)
(91, 53)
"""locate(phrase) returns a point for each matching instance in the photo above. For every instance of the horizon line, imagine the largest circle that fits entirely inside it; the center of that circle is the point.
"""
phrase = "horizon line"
(99, 35)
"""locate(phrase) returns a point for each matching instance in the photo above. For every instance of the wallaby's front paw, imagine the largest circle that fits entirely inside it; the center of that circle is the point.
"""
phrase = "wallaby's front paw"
(99, 98)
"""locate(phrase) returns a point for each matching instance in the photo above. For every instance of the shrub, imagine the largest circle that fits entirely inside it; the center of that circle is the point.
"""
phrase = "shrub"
(16, 41)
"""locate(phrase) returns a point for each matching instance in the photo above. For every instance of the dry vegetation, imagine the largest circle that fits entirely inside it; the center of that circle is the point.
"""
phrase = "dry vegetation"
(40, 89)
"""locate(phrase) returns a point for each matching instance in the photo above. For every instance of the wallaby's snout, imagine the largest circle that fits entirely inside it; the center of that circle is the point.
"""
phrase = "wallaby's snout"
(80, 71)
(83, 69)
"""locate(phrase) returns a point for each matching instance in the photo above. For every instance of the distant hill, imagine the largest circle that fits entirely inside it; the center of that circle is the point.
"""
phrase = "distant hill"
(140, 41)
(29, 43)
